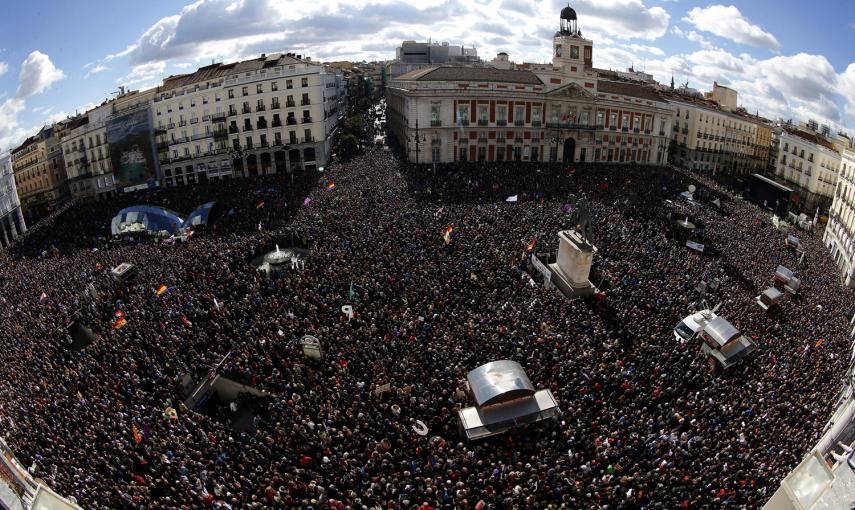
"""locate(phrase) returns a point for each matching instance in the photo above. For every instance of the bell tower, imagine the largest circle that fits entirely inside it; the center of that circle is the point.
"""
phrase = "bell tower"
(570, 51)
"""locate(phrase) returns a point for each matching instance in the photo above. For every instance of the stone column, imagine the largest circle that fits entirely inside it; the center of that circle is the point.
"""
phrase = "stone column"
(21, 219)
(14, 230)
(5, 236)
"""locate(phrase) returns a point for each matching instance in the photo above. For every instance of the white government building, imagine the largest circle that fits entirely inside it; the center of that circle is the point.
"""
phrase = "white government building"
(273, 114)
(562, 111)
(839, 234)
(11, 219)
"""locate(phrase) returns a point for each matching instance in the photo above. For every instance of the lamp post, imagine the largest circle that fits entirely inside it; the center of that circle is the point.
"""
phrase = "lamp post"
(417, 140)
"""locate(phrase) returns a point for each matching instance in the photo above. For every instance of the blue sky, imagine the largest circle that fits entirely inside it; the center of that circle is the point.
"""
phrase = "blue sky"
(784, 57)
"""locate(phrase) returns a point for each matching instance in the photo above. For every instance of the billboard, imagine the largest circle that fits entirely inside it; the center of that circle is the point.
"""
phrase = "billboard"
(131, 153)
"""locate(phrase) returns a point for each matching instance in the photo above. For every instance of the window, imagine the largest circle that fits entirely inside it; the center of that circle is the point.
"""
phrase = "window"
(482, 113)
(204, 99)
(636, 122)
(259, 88)
(289, 84)
(613, 120)
(535, 114)
(304, 82)
(555, 113)
(231, 94)
(259, 104)
(245, 91)
(463, 113)
(600, 120)
(434, 113)
(624, 122)
(274, 87)
(557, 50)
(574, 52)
(584, 119)
(502, 113)
(519, 114)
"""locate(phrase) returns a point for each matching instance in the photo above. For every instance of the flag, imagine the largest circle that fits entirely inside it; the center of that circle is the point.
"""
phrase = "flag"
(259, 204)
(695, 246)
(330, 186)
(119, 314)
(120, 323)
(163, 289)
(307, 201)
(137, 435)
(531, 244)
(819, 342)
(447, 235)
(216, 304)
(186, 322)
(512, 198)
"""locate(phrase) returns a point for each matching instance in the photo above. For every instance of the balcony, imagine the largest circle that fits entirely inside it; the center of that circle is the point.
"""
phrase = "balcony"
(264, 144)
(535, 123)
(482, 139)
(247, 127)
(218, 117)
(518, 141)
(277, 142)
(464, 122)
(182, 139)
(307, 120)
(162, 146)
(646, 131)
(220, 133)
(260, 108)
(500, 139)
(482, 122)
(612, 128)
(261, 124)
(305, 102)
(519, 123)
(635, 130)
(463, 140)
(290, 104)
(182, 123)
(435, 123)
(293, 141)
(233, 129)
(276, 123)
(502, 122)
(274, 106)
(159, 130)
(171, 125)
(662, 133)
(625, 129)
(572, 125)
(194, 120)
(249, 146)
(435, 142)
(310, 139)
(685, 131)
(535, 139)
(291, 121)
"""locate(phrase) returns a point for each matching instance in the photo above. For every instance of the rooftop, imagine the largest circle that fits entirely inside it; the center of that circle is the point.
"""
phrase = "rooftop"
(221, 70)
(471, 73)
(810, 137)
(628, 89)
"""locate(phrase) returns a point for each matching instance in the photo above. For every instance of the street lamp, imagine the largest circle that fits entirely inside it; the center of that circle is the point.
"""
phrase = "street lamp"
(417, 140)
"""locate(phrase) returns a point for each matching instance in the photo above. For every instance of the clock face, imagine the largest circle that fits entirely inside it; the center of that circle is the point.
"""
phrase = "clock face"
(574, 52)
(557, 50)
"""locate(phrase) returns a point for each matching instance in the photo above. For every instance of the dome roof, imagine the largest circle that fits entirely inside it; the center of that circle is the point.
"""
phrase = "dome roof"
(568, 13)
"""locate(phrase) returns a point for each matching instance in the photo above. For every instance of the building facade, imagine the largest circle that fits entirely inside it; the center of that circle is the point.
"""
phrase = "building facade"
(11, 218)
(273, 114)
(412, 56)
(39, 170)
(839, 234)
(706, 138)
(809, 164)
(88, 163)
(535, 112)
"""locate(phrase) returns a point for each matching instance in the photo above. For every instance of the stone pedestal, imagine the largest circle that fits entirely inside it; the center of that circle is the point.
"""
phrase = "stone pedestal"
(571, 271)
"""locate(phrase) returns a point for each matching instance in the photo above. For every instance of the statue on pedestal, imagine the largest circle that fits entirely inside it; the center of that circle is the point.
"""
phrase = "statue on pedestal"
(580, 216)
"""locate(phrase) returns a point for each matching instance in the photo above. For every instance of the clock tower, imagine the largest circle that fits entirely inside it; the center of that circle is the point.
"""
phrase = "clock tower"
(571, 53)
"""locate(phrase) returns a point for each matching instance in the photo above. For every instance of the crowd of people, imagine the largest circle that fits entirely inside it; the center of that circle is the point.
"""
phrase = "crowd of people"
(644, 424)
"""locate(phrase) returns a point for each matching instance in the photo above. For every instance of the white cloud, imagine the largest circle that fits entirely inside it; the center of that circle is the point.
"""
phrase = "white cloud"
(625, 19)
(729, 23)
(143, 73)
(846, 88)
(3, 68)
(37, 74)
(98, 68)
(693, 36)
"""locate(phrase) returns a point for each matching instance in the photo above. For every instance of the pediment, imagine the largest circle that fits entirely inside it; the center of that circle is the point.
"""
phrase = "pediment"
(571, 90)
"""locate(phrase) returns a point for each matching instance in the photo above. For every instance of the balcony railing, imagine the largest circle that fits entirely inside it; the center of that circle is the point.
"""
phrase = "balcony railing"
(435, 123)
(218, 117)
(307, 120)
(260, 108)
(261, 125)
(194, 120)
(274, 106)
(182, 123)
(233, 129)
(290, 104)
(502, 122)
(247, 127)
(464, 122)
(435, 142)
(232, 113)
(573, 125)
(305, 102)
(276, 123)
(500, 139)
(220, 133)
(482, 122)
(519, 123)
(309, 139)
(246, 109)
(482, 139)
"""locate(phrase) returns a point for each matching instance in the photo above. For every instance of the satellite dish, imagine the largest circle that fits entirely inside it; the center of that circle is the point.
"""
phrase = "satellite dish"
(692, 188)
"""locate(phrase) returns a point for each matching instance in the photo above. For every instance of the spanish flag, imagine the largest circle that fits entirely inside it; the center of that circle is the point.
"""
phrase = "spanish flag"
(120, 323)
(137, 435)
(161, 289)
(446, 236)
(531, 244)
(330, 186)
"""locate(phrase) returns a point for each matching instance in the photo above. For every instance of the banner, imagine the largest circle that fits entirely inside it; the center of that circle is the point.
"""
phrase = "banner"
(131, 151)
(695, 246)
